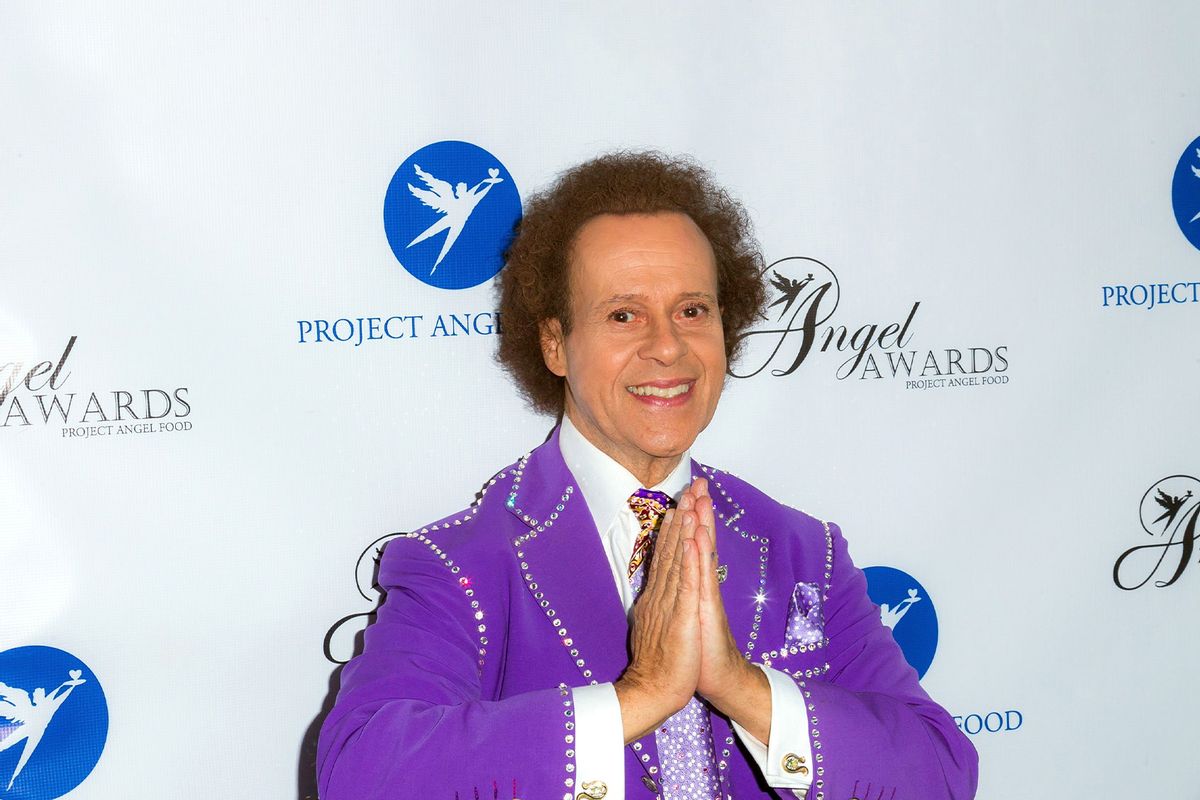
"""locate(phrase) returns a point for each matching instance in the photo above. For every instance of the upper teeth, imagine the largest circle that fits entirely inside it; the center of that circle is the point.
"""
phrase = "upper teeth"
(654, 391)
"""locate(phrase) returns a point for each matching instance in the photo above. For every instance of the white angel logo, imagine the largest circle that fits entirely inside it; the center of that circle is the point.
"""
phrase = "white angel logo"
(32, 715)
(1196, 172)
(892, 616)
(454, 203)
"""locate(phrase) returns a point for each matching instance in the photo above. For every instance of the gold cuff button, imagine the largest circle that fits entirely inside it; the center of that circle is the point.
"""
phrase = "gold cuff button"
(592, 790)
(794, 763)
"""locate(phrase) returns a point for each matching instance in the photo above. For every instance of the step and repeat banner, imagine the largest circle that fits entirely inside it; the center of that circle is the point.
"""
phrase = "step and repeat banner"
(248, 255)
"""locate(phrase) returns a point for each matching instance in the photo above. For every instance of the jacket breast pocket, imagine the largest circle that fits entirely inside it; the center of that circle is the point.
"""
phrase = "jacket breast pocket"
(800, 641)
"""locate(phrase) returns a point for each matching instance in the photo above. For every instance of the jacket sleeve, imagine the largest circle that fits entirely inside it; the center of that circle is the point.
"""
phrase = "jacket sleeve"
(876, 734)
(410, 721)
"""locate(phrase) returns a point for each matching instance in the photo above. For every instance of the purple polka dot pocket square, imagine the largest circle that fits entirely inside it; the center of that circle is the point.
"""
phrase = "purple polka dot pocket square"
(805, 621)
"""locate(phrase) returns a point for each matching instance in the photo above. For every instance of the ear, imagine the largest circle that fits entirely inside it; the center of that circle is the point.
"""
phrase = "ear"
(554, 351)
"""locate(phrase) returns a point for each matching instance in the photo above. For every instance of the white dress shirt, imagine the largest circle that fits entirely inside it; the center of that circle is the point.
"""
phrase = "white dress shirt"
(599, 733)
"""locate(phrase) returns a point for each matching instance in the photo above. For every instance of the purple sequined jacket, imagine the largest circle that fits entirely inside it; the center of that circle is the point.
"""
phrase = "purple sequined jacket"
(492, 614)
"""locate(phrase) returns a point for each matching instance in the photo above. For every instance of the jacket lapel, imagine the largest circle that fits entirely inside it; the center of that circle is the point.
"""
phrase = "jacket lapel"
(743, 551)
(564, 567)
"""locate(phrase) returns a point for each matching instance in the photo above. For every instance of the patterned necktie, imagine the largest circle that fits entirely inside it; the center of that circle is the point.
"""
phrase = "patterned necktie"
(649, 507)
(685, 748)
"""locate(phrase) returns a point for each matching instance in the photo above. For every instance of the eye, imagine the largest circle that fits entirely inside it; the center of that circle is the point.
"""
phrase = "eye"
(695, 310)
(621, 315)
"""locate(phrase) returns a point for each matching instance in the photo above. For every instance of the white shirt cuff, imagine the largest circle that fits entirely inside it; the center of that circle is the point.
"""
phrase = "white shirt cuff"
(789, 743)
(599, 738)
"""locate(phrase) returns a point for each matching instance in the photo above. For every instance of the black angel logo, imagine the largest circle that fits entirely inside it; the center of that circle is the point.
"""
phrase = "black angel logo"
(1172, 506)
(790, 290)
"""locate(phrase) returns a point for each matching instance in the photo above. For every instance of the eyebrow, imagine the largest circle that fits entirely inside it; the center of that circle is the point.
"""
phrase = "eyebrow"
(633, 296)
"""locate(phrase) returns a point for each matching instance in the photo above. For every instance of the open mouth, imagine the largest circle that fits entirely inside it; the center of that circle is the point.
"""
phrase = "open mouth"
(665, 392)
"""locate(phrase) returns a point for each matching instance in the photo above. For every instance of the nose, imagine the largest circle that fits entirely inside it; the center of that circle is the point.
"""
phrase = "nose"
(664, 342)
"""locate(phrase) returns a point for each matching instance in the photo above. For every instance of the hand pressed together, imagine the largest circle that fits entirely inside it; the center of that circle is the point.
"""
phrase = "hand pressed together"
(680, 639)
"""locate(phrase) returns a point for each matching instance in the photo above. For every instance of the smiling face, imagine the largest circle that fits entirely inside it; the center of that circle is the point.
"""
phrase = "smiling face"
(644, 361)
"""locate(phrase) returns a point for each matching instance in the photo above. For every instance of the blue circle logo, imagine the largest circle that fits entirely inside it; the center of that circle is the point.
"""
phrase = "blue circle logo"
(907, 609)
(53, 723)
(1185, 193)
(449, 214)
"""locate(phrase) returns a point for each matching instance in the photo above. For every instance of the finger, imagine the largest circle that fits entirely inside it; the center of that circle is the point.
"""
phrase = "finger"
(705, 504)
(708, 570)
(667, 534)
(689, 594)
(687, 516)
(706, 517)
(710, 533)
(690, 494)
(667, 554)
(711, 564)
(662, 553)
(707, 562)
(674, 535)
(685, 528)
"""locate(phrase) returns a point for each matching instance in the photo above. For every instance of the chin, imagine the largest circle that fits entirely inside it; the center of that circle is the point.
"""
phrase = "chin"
(667, 444)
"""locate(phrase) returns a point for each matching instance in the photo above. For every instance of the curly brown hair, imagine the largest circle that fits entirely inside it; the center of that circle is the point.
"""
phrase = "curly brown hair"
(535, 283)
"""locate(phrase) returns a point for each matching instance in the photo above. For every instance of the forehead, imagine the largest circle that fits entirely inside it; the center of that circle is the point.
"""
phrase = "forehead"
(662, 251)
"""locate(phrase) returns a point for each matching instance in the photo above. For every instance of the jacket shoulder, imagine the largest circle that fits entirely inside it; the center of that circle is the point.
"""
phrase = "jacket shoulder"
(474, 527)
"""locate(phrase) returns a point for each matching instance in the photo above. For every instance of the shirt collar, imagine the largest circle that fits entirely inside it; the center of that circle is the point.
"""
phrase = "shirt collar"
(606, 485)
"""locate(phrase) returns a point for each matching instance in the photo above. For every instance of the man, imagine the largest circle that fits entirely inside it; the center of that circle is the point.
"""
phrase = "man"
(575, 633)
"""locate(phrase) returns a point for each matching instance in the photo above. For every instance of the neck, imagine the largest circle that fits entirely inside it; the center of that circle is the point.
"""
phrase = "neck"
(650, 470)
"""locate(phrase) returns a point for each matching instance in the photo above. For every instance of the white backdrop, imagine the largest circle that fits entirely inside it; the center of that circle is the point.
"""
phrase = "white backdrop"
(182, 185)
